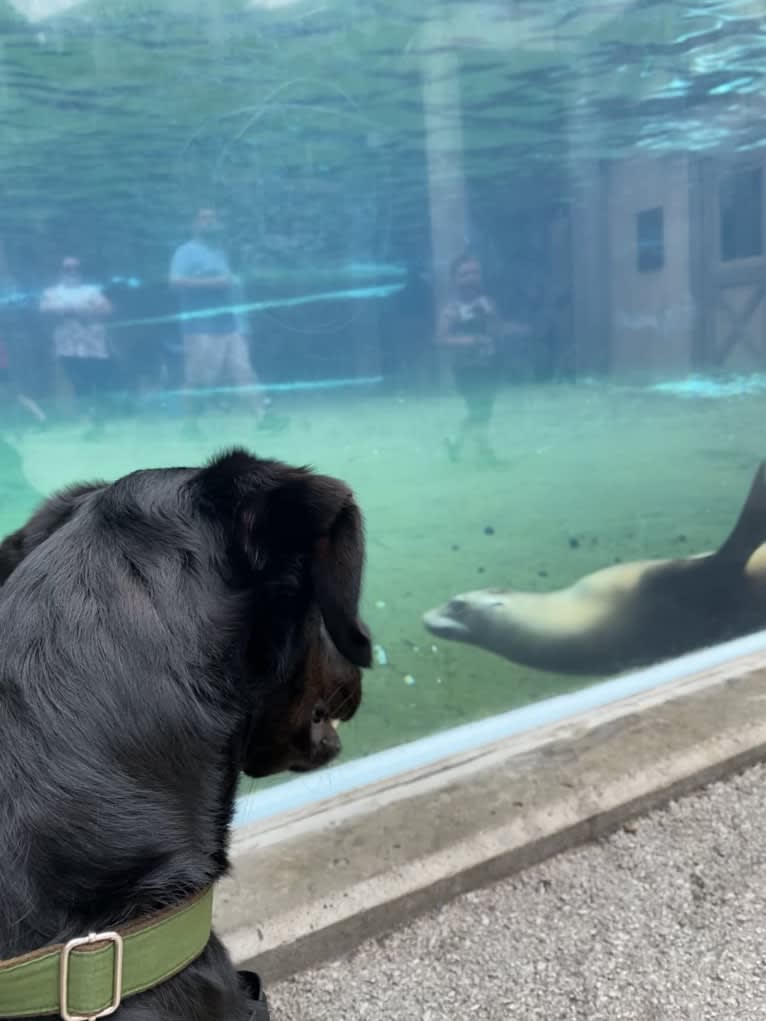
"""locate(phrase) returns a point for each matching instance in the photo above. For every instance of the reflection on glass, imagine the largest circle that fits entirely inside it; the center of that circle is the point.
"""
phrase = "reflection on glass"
(498, 265)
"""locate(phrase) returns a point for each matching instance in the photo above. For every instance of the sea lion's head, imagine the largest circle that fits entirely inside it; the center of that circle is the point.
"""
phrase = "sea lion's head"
(468, 617)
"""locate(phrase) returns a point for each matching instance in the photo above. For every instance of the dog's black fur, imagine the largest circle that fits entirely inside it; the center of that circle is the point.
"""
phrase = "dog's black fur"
(151, 630)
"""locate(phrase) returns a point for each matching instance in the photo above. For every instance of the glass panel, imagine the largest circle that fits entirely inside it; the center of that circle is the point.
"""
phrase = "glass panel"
(498, 264)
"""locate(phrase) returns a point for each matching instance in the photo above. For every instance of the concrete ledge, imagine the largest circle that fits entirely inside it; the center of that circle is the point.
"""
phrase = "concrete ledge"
(310, 885)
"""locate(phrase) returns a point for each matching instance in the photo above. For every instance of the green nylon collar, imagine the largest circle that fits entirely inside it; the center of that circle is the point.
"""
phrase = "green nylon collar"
(151, 950)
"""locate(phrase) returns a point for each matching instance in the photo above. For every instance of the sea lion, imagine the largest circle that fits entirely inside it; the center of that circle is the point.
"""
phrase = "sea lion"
(628, 615)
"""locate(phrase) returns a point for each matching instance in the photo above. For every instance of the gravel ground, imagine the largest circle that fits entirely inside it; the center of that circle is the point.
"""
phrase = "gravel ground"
(665, 919)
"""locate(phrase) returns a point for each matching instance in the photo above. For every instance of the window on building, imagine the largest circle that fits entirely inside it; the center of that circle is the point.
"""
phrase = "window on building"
(740, 205)
(650, 240)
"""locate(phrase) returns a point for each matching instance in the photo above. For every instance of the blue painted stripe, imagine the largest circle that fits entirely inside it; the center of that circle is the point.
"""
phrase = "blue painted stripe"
(350, 294)
(308, 384)
(357, 773)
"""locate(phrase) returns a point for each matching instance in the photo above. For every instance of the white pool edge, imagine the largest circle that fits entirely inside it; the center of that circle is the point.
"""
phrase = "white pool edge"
(381, 766)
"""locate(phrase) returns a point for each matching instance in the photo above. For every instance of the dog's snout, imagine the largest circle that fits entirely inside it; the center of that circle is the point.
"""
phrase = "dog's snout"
(329, 741)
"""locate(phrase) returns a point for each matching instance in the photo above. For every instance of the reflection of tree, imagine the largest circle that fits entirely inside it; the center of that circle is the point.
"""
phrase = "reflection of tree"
(301, 176)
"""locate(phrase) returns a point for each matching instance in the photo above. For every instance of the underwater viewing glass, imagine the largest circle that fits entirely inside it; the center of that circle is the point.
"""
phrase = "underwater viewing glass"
(497, 264)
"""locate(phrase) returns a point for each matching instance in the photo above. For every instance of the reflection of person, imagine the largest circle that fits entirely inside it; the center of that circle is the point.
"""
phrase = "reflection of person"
(470, 328)
(214, 342)
(78, 312)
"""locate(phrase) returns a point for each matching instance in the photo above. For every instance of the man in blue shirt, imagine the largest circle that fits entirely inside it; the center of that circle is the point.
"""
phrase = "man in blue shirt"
(214, 342)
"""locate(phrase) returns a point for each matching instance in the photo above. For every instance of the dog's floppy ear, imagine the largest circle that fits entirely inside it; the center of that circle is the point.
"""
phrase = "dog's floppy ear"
(286, 510)
(317, 514)
(338, 561)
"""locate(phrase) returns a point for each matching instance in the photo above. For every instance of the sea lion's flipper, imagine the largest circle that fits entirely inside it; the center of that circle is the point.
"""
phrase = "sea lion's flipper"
(750, 530)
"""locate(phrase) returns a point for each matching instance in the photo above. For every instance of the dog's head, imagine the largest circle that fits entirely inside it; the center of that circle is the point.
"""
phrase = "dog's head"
(295, 541)
(299, 536)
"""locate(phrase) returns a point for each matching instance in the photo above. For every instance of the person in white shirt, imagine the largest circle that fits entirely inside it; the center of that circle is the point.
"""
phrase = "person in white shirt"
(78, 312)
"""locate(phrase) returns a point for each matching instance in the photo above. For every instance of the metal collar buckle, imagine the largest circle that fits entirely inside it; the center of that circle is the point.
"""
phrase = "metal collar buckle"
(93, 937)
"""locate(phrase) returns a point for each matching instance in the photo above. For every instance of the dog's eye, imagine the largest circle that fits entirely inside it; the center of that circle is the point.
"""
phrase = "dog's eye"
(319, 715)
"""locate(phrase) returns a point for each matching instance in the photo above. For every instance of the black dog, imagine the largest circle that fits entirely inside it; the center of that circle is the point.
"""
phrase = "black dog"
(154, 631)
